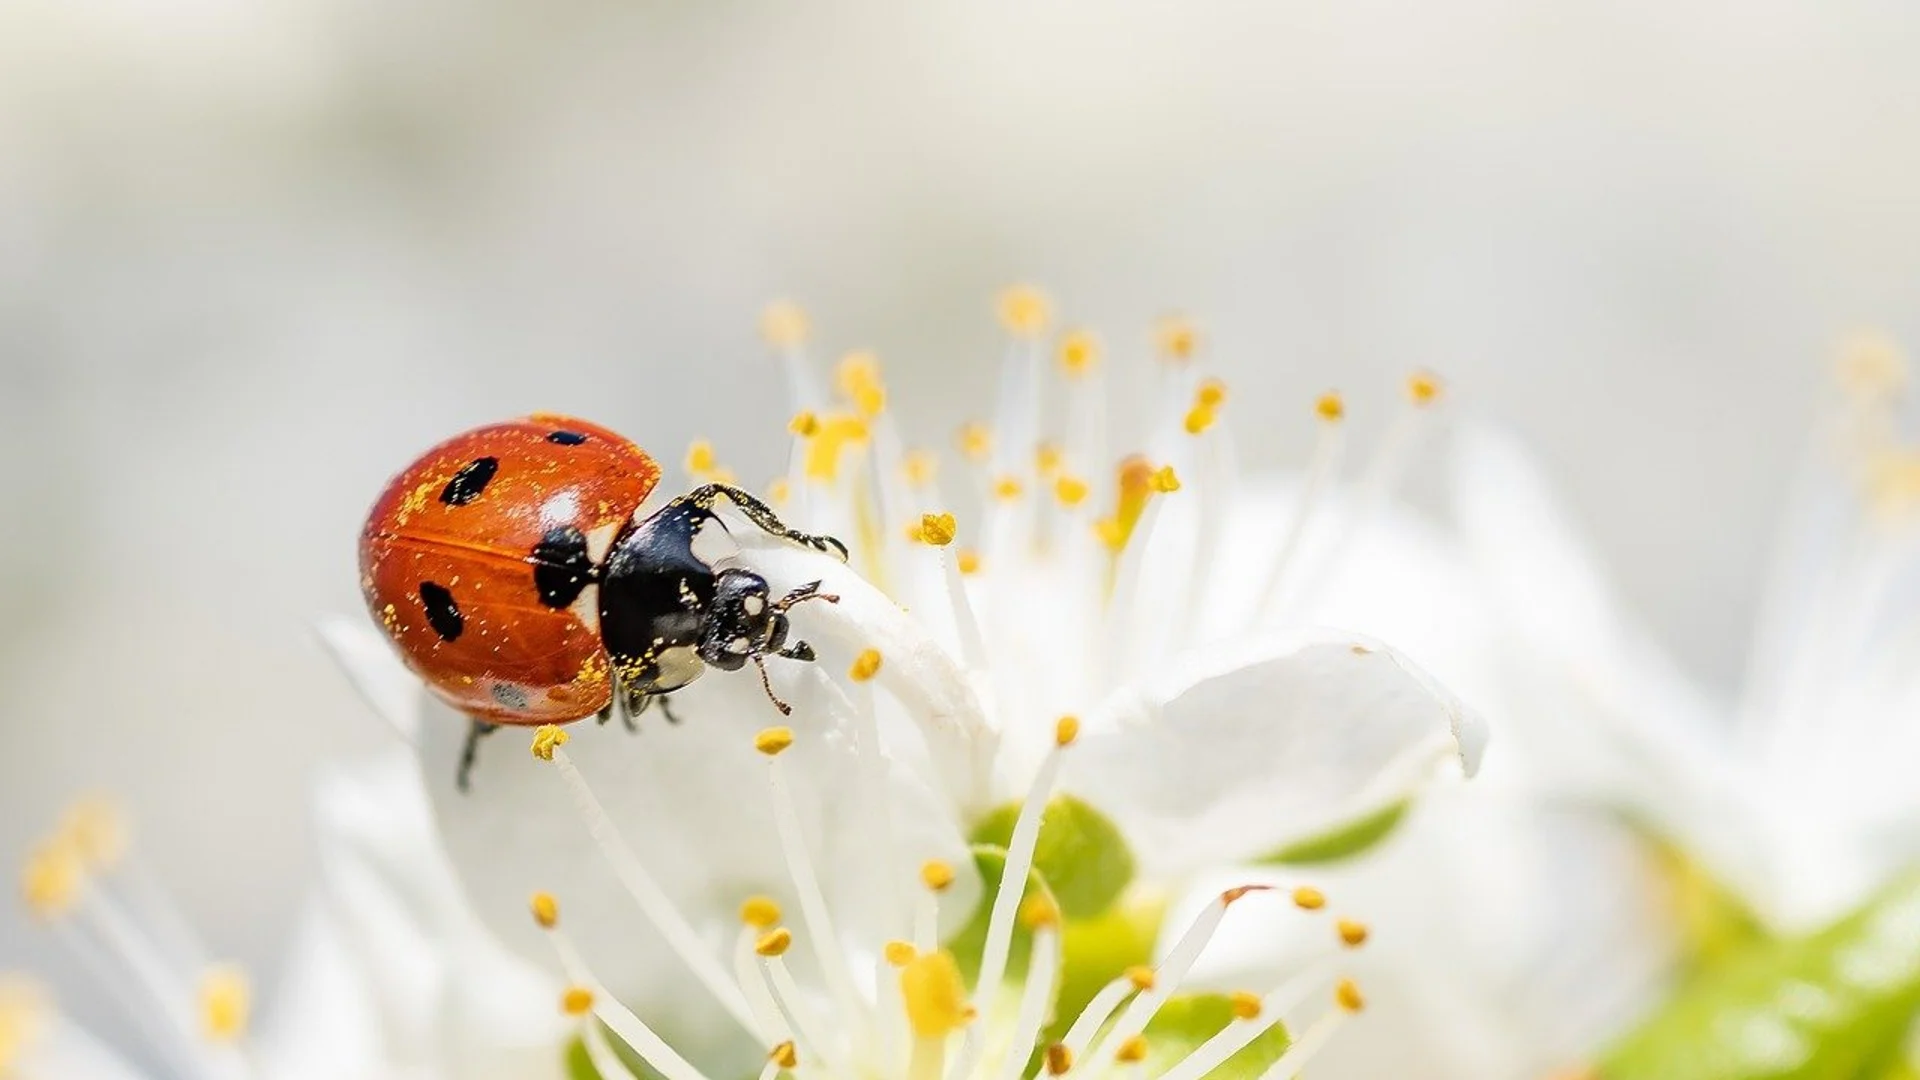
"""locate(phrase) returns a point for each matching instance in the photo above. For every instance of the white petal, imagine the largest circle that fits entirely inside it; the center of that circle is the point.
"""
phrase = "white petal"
(370, 663)
(1508, 939)
(1590, 704)
(393, 971)
(692, 801)
(1262, 753)
(66, 1052)
(923, 677)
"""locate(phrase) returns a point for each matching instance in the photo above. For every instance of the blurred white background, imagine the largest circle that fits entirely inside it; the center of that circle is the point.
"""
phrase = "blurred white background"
(256, 253)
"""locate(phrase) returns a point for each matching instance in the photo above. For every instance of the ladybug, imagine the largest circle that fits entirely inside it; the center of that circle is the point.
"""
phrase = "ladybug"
(518, 573)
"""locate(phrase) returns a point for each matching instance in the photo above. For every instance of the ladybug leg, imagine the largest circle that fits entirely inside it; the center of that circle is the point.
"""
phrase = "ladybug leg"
(666, 710)
(809, 591)
(760, 514)
(475, 730)
(799, 650)
(605, 714)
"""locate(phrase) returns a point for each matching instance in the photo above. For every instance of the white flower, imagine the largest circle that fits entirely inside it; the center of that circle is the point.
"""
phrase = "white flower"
(1191, 744)
(1800, 794)
(955, 858)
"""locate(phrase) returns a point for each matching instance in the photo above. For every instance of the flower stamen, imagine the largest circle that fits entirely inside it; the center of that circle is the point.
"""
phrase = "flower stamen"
(647, 893)
(1013, 879)
(633, 1031)
(1347, 1002)
(1179, 960)
(1323, 466)
(821, 934)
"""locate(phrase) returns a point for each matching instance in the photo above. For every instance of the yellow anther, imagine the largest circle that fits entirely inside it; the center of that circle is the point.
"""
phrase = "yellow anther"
(1211, 394)
(1200, 418)
(1176, 338)
(936, 874)
(576, 1001)
(1065, 730)
(1353, 933)
(700, 458)
(1059, 1059)
(95, 831)
(1347, 994)
(1330, 406)
(1308, 898)
(773, 740)
(1164, 480)
(51, 879)
(1039, 910)
(1423, 388)
(1131, 1051)
(1079, 353)
(1047, 458)
(779, 491)
(858, 375)
(1892, 479)
(1871, 365)
(24, 1012)
(935, 995)
(783, 324)
(938, 529)
(865, 666)
(975, 441)
(1142, 977)
(224, 1004)
(784, 1055)
(804, 424)
(836, 433)
(968, 561)
(1246, 1004)
(774, 942)
(1071, 490)
(759, 912)
(546, 738)
(1024, 311)
(900, 953)
(1007, 488)
(546, 910)
(919, 467)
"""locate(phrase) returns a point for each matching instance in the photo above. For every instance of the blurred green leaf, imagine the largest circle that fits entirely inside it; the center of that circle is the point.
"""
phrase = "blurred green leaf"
(1343, 841)
(579, 1065)
(1715, 924)
(1099, 950)
(967, 943)
(1834, 1005)
(1188, 1020)
(1080, 853)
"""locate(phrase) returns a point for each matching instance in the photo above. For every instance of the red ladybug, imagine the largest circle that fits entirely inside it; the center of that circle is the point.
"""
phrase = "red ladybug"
(513, 569)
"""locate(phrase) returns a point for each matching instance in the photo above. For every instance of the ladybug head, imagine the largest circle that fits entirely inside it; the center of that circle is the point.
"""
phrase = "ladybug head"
(744, 621)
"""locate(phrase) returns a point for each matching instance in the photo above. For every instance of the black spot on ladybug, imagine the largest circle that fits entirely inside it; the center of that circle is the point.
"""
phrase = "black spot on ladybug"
(442, 613)
(513, 697)
(566, 438)
(561, 566)
(470, 481)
